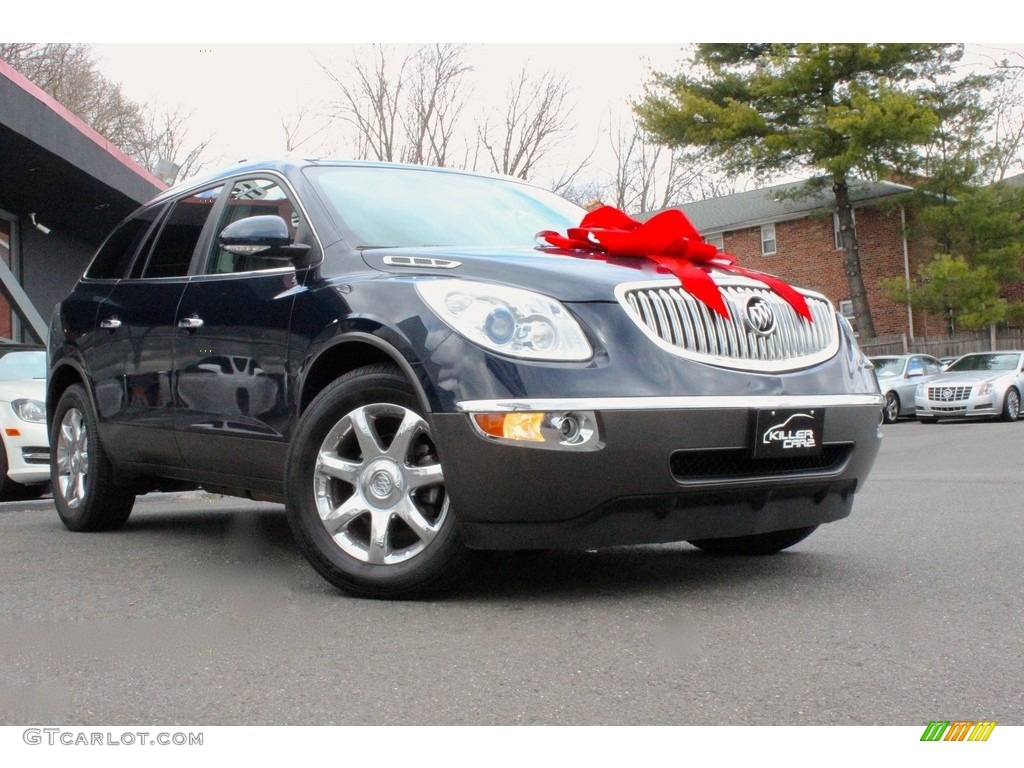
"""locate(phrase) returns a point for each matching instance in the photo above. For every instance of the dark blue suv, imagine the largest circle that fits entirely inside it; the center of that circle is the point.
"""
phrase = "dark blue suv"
(389, 352)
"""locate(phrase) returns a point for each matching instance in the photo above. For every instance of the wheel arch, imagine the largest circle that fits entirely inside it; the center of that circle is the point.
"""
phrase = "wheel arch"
(63, 376)
(356, 350)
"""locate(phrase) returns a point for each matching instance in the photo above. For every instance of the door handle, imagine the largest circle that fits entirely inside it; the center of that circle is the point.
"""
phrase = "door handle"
(191, 323)
(110, 323)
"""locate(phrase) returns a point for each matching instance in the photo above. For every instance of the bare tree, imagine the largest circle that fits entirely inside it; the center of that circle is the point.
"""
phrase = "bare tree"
(536, 119)
(1008, 118)
(295, 136)
(437, 98)
(165, 148)
(371, 102)
(69, 73)
(649, 176)
(403, 107)
(572, 185)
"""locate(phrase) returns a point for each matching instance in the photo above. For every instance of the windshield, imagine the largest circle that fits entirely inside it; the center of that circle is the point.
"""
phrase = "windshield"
(398, 207)
(23, 364)
(887, 366)
(993, 362)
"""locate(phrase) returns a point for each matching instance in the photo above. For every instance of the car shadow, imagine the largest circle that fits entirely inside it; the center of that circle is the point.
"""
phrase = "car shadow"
(254, 538)
(622, 571)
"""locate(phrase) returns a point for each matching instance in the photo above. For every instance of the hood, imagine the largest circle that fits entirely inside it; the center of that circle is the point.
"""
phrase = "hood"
(564, 275)
(960, 378)
(33, 389)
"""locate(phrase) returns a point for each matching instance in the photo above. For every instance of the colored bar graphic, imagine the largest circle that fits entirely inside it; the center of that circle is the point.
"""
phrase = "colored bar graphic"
(958, 730)
(982, 730)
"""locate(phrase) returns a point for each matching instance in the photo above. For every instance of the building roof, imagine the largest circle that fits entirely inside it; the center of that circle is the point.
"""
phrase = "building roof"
(56, 166)
(778, 203)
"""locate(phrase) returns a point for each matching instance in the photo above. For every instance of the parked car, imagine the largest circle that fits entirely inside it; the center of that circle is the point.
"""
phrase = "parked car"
(388, 351)
(25, 454)
(898, 377)
(977, 384)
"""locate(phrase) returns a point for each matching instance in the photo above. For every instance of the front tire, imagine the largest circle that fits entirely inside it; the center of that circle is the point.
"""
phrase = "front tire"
(891, 411)
(757, 544)
(81, 475)
(1011, 405)
(366, 495)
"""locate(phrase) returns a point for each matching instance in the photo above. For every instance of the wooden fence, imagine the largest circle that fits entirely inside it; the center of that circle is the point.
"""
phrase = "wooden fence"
(946, 346)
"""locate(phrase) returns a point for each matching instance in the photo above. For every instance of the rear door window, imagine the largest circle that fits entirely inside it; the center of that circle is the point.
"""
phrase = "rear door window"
(171, 254)
(112, 260)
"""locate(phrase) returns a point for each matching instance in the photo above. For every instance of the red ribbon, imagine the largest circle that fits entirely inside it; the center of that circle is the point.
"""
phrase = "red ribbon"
(671, 241)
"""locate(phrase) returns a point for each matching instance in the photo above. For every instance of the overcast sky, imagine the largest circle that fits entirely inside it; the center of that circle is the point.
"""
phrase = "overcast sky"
(264, 70)
(239, 93)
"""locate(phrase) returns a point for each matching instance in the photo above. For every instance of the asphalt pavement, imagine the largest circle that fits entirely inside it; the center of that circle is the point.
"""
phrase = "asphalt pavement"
(202, 612)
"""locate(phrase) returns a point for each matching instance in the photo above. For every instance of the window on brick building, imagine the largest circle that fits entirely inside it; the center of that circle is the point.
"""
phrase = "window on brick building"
(717, 240)
(835, 228)
(767, 239)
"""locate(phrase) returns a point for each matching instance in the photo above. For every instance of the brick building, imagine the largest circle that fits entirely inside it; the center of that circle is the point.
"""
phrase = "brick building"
(793, 234)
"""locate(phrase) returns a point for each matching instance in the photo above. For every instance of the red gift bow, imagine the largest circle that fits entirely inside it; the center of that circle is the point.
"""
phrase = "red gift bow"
(672, 242)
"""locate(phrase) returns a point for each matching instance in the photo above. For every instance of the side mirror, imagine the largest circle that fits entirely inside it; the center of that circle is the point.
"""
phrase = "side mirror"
(266, 236)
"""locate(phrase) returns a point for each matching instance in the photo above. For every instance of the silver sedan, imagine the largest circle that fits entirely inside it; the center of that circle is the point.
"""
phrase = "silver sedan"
(898, 377)
(978, 384)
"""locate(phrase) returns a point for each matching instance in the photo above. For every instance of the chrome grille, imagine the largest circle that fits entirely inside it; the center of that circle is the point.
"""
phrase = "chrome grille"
(949, 394)
(686, 327)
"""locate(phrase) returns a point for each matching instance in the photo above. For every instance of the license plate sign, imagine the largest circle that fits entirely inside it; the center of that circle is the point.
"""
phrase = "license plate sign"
(784, 432)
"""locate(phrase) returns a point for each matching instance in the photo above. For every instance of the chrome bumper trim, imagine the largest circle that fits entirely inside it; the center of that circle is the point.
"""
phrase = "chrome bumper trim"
(713, 402)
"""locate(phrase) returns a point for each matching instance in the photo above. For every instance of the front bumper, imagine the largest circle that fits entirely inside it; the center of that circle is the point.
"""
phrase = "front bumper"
(28, 455)
(667, 469)
(969, 406)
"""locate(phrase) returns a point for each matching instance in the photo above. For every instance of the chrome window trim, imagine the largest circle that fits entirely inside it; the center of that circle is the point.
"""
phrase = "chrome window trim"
(709, 402)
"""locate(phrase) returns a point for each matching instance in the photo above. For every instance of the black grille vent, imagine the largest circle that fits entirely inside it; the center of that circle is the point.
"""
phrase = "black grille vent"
(737, 463)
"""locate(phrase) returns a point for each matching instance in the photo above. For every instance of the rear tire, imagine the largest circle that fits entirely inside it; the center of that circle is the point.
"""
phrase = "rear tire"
(757, 544)
(367, 501)
(81, 475)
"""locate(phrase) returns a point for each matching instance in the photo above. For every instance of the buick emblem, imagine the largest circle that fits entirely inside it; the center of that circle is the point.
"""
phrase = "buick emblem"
(759, 316)
(381, 484)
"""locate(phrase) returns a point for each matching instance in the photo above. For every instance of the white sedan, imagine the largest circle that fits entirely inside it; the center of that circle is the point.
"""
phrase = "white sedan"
(977, 384)
(25, 458)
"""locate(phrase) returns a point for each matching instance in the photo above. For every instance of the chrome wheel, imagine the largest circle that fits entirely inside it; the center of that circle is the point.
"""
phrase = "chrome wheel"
(1011, 405)
(892, 407)
(379, 486)
(72, 457)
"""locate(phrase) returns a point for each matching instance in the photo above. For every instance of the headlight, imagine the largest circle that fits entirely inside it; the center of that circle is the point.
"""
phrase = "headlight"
(29, 410)
(507, 320)
(921, 391)
(985, 388)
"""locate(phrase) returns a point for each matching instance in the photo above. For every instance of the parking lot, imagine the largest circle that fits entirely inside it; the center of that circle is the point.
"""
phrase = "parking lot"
(201, 611)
